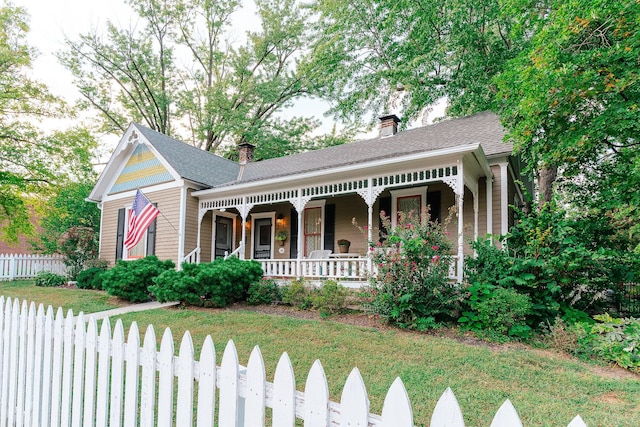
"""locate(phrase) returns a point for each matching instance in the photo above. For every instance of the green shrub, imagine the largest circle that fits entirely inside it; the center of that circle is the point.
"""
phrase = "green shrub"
(298, 294)
(47, 279)
(412, 287)
(214, 284)
(131, 280)
(330, 298)
(497, 313)
(614, 340)
(265, 291)
(91, 278)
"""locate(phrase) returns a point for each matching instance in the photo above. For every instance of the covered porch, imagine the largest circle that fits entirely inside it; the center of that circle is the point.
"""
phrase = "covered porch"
(314, 214)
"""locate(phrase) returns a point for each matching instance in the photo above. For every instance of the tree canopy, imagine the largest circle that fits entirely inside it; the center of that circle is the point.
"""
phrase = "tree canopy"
(180, 72)
(31, 161)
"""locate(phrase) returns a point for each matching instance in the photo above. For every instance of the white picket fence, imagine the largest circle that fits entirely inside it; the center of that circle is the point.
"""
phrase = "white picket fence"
(24, 266)
(60, 371)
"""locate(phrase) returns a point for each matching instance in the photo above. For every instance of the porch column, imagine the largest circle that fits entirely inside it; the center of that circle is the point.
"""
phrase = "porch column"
(201, 214)
(244, 236)
(300, 242)
(504, 198)
(369, 235)
(475, 216)
(460, 194)
(490, 206)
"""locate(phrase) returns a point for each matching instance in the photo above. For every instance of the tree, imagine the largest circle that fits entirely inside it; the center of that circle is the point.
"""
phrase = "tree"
(31, 162)
(404, 55)
(181, 66)
(572, 97)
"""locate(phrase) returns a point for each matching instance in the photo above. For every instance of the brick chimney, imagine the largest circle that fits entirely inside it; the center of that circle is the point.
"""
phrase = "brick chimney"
(389, 125)
(246, 153)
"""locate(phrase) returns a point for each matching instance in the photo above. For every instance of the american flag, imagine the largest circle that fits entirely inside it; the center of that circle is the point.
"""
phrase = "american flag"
(141, 216)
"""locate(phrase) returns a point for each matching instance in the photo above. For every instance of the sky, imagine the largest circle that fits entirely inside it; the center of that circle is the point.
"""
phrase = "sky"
(53, 20)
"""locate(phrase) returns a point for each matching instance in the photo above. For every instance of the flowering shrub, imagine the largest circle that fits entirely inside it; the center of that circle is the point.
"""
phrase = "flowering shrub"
(412, 288)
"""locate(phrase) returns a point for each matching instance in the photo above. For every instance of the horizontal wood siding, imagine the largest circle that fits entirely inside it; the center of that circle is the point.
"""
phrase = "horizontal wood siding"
(168, 222)
(191, 225)
(497, 217)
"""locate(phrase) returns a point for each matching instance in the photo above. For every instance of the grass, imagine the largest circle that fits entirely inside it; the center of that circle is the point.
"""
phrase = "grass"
(547, 389)
(74, 299)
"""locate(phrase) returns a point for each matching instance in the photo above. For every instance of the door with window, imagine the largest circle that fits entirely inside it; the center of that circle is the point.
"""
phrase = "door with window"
(224, 236)
(312, 230)
(262, 235)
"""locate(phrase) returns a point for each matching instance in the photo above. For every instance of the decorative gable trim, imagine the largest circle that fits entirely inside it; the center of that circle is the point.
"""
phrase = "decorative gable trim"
(141, 170)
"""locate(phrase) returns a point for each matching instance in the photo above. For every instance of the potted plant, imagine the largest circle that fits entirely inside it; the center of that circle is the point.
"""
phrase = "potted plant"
(281, 236)
(343, 246)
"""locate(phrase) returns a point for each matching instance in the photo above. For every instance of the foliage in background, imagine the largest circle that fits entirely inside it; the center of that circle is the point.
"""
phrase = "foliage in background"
(551, 259)
(71, 226)
(32, 162)
(614, 340)
(265, 291)
(91, 278)
(496, 313)
(412, 288)
(330, 298)
(46, 279)
(214, 284)
(183, 65)
(298, 294)
(130, 280)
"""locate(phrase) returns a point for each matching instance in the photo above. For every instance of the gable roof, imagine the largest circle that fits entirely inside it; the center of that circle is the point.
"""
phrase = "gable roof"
(482, 128)
(191, 163)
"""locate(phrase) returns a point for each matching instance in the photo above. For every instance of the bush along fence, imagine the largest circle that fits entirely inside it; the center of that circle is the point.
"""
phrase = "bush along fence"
(60, 371)
(20, 266)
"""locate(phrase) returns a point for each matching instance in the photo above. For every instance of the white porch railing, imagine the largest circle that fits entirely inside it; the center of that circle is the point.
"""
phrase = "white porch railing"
(327, 268)
(60, 371)
(192, 257)
(354, 269)
(24, 266)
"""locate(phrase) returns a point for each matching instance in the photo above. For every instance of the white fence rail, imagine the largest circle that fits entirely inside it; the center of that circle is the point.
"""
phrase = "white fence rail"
(62, 371)
(17, 266)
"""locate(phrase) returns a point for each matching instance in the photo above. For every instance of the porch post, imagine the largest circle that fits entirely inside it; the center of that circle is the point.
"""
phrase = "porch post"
(490, 206)
(460, 194)
(475, 215)
(244, 212)
(201, 214)
(369, 235)
(300, 243)
(504, 198)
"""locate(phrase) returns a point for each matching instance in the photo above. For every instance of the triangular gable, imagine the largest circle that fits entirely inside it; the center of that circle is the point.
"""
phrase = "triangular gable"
(141, 170)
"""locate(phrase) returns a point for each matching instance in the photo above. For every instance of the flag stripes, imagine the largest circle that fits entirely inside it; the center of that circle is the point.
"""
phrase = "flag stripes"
(141, 216)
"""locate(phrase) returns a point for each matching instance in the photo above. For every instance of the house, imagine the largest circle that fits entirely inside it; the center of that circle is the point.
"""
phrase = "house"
(212, 207)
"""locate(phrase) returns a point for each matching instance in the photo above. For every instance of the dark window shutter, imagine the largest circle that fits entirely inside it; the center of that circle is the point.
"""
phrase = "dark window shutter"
(434, 201)
(120, 234)
(329, 226)
(293, 235)
(385, 205)
(151, 238)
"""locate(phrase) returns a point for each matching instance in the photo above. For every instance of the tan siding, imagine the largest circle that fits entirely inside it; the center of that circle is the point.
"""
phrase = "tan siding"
(348, 208)
(168, 201)
(191, 223)
(206, 236)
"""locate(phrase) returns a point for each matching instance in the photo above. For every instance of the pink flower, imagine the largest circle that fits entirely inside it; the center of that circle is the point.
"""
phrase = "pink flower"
(435, 259)
(435, 248)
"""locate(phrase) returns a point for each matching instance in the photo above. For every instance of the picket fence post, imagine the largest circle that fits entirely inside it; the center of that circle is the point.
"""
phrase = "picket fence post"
(57, 371)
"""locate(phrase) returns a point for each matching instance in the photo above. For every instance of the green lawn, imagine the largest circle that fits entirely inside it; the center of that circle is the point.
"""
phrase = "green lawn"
(74, 299)
(546, 389)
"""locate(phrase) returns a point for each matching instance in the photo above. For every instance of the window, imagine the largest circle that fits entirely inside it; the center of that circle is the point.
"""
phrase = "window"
(312, 230)
(407, 200)
(146, 246)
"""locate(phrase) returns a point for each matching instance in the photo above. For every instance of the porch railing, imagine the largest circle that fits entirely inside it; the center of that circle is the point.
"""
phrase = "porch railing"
(339, 269)
(354, 269)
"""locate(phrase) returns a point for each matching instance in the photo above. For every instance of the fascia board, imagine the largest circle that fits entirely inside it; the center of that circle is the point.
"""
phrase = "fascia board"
(348, 170)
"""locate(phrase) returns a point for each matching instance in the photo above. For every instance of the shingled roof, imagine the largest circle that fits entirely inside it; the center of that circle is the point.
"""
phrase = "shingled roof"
(483, 128)
(210, 170)
(191, 163)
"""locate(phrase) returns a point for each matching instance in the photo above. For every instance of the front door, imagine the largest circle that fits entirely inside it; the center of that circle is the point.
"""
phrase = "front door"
(262, 238)
(224, 236)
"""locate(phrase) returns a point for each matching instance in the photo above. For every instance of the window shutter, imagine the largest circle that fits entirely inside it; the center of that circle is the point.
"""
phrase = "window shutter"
(151, 238)
(329, 227)
(434, 201)
(385, 205)
(120, 234)
(293, 235)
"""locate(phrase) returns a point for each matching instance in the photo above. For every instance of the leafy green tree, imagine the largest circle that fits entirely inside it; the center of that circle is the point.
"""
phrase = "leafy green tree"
(406, 54)
(71, 225)
(181, 66)
(31, 162)
(572, 97)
